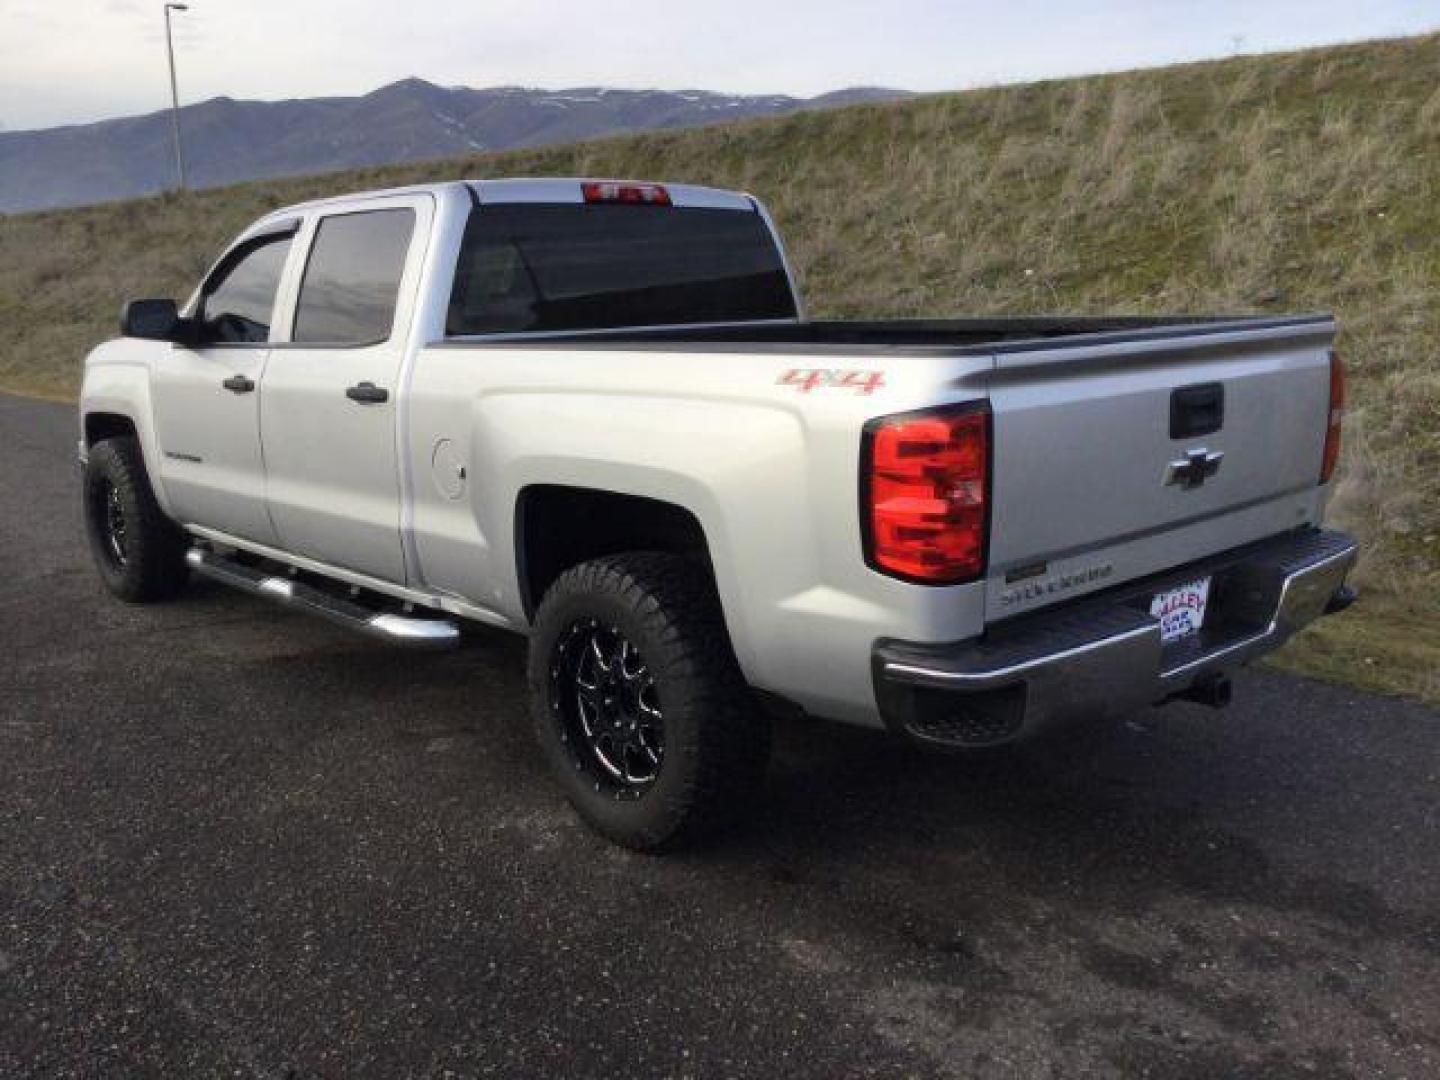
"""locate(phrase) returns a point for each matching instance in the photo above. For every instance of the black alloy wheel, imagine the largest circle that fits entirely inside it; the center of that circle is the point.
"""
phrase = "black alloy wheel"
(609, 708)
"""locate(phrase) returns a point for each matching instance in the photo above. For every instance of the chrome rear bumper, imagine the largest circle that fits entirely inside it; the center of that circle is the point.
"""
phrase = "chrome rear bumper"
(1104, 655)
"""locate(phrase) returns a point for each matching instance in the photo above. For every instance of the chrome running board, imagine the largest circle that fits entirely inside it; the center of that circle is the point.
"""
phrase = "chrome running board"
(403, 630)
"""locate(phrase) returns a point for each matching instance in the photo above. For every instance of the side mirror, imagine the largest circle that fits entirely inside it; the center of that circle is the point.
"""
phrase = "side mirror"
(154, 320)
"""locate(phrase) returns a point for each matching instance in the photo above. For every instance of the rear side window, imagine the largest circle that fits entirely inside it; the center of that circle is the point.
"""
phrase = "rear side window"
(543, 266)
(238, 300)
(352, 279)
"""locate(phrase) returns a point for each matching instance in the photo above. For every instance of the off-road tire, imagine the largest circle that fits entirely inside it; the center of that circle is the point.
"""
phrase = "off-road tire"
(716, 738)
(149, 562)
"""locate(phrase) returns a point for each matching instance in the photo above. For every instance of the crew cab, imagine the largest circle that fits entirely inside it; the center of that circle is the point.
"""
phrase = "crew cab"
(594, 412)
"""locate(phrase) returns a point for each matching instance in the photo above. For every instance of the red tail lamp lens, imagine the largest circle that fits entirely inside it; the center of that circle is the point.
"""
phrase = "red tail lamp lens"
(1336, 419)
(927, 481)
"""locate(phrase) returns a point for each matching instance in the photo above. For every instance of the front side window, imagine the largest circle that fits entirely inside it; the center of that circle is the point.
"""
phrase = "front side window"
(238, 300)
(352, 280)
(564, 267)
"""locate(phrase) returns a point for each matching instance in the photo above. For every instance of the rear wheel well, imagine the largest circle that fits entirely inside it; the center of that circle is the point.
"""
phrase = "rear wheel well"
(558, 527)
(101, 426)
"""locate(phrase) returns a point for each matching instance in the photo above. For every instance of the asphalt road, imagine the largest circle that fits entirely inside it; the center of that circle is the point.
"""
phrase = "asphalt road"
(237, 841)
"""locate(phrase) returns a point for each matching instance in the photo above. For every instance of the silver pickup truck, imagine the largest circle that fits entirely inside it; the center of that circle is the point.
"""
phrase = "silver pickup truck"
(593, 412)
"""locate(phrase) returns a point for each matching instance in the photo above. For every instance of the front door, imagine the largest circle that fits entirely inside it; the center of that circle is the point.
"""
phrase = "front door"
(206, 397)
(328, 401)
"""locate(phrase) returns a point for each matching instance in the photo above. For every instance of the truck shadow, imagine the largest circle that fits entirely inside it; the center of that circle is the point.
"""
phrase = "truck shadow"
(896, 846)
(1177, 803)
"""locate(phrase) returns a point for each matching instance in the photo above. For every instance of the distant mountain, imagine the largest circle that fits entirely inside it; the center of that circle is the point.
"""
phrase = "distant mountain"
(227, 141)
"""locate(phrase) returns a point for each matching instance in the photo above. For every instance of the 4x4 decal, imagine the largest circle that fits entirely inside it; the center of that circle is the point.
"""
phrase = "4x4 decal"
(807, 379)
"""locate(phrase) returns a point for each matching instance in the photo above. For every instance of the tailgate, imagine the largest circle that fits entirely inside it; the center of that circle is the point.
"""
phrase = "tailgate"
(1124, 455)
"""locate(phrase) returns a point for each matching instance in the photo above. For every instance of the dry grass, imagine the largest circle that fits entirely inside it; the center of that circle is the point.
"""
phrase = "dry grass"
(1381, 645)
(1291, 182)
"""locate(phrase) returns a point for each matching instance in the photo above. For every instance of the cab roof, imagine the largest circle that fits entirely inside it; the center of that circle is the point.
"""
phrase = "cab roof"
(534, 190)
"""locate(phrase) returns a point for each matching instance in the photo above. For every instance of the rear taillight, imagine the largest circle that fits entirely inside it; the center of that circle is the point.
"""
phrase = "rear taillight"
(925, 492)
(1336, 419)
(613, 191)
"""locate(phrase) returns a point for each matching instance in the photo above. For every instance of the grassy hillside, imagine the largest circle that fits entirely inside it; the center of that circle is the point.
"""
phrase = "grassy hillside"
(1288, 182)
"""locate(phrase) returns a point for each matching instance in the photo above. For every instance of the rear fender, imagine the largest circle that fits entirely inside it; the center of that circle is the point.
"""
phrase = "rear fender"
(689, 454)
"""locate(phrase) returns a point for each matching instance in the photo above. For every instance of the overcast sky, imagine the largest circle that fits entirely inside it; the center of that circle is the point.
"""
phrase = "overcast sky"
(69, 61)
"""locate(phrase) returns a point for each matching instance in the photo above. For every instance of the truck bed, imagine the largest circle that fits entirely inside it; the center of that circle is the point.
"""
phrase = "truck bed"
(928, 335)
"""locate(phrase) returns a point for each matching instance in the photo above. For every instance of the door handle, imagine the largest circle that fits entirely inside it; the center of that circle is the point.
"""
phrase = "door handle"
(239, 384)
(368, 393)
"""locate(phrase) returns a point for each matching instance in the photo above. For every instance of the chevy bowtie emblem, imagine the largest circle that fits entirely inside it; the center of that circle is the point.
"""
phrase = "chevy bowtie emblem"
(1194, 468)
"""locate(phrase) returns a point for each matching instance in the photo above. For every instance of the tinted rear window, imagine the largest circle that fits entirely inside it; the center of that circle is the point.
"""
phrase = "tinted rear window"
(541, 266)
(353, 278)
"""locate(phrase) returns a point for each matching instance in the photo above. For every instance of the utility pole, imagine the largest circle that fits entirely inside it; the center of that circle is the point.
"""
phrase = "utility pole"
(175, 93)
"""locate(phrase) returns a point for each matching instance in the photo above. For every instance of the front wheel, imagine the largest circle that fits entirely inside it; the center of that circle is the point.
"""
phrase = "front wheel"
(139, 552)
(639, 704)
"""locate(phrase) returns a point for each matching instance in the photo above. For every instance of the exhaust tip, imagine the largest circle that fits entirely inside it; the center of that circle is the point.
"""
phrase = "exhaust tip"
(1215, 691)
(1342, 598)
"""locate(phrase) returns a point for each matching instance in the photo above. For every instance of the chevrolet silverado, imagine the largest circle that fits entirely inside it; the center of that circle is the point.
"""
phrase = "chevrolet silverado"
(594, 412)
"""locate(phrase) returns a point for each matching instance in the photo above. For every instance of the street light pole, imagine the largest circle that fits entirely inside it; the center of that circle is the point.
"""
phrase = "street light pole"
(175, 93)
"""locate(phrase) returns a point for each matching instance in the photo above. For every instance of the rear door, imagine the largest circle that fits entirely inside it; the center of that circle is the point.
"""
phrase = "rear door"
(205, 399)
(328, 406)
(1115, 459)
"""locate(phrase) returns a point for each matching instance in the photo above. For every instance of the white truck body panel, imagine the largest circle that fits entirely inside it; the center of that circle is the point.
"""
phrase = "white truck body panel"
(332, 468)
(1081, 445)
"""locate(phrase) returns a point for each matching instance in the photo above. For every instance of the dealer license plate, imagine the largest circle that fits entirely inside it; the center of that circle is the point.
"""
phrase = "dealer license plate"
(1181, 611)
